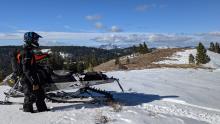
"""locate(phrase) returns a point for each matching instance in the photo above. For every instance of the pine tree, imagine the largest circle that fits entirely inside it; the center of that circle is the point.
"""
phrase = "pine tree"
(201, 56)
(80, 67)
(212, 47)
(73, 66)
(135, 49)
(191, 59)
(145, 48)
(56, 61)
(141, 49)
(217, 48)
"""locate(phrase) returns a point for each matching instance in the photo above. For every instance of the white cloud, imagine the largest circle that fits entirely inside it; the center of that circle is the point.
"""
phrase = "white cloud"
(142, 37)
(11, 36)
(52, 43)
(93, 17)
(142, 7)
(216, 34)
(145, 7)
(115, 29)
(22, 31)
(168, 37)
(50, 35)
(63, 38)
(99, 25)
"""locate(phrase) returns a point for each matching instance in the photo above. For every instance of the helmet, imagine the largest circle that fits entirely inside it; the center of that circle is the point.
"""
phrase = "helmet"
(31, 39)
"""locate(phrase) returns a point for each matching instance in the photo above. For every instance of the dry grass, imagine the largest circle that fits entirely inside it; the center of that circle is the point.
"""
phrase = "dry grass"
(146, 61)
(117, 107)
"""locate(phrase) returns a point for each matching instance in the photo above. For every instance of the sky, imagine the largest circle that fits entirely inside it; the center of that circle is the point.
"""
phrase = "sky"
(97, 22)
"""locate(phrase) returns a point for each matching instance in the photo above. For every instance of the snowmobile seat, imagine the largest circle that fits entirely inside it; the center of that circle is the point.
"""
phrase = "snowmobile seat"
(62, 76)
(89, 76)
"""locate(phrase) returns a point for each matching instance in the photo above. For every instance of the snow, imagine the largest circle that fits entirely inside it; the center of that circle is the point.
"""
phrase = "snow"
(64, 55)
(179, 57)
(215, 60)
(46, 51)
(152, 96)
(172, 96)
(183, 58)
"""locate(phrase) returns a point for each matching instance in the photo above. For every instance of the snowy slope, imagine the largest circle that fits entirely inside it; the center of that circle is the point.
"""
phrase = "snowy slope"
(152, 96)
(161, 96)
(183, 58)
(179, 57)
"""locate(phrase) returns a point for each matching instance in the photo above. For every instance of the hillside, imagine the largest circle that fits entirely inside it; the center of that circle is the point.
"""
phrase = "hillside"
(143, 61)
(86, 55)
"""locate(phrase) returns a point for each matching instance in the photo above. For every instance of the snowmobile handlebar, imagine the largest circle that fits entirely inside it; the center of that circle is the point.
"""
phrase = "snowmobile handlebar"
(117, 80)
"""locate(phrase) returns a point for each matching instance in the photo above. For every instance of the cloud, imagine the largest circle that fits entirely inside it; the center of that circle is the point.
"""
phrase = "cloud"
(115, 29)
(99, 25)
(142, 37)
(50, 35)
(145, 7)
(22, 31)
(11, 36)
(168, 38)
(215, 34)
(122, 38)
(52, 43)
(93, 17)
(157, 39)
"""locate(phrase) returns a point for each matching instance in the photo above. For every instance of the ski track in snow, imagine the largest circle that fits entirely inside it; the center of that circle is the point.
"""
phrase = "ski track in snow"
(182, 110)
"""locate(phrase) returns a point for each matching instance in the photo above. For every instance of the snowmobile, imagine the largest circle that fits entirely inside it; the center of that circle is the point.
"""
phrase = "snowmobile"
(63, 86)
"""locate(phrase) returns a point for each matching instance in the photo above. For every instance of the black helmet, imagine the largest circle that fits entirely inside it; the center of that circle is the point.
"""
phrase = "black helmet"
(31, 39)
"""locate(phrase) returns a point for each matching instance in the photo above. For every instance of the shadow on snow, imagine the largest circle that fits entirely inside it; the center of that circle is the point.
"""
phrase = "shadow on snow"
(126, 99)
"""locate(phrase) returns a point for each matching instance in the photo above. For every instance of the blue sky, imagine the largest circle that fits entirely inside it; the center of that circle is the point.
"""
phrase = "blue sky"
(95, 22)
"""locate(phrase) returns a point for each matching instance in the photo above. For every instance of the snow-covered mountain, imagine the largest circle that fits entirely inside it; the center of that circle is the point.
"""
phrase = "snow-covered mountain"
(152, 96)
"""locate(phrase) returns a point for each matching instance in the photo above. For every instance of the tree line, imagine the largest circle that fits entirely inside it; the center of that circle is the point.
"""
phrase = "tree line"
(214, 47)
(142, 48)
(78, 59)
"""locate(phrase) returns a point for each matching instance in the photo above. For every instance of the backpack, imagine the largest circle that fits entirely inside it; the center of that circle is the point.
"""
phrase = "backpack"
(16, 63)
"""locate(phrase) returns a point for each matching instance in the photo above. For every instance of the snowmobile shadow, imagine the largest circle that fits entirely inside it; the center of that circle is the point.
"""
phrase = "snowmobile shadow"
(125, 99)
(133, 98)
(76, 106)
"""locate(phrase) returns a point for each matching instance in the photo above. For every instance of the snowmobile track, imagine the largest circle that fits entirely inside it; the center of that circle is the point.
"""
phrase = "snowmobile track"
(183, 110)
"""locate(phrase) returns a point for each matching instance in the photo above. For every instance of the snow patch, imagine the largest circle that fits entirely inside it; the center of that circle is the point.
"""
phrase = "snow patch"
(179, 57)
(183, 58)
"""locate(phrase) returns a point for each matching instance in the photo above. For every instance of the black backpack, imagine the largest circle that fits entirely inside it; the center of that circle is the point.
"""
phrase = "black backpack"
(16, 59)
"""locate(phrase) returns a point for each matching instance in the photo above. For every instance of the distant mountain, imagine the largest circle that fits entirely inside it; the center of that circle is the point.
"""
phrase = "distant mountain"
(108, 46)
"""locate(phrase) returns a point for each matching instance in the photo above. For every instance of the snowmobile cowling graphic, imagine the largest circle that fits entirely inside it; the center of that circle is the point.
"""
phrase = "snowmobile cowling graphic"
(56, 83)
